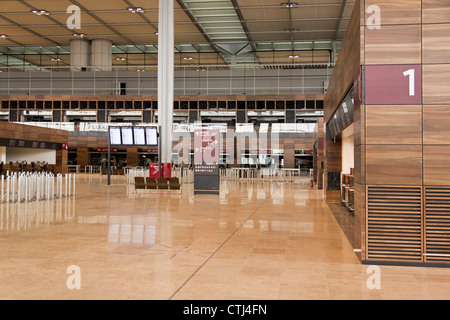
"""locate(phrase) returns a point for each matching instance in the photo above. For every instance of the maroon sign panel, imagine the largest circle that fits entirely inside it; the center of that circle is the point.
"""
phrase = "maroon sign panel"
(206, 146)
(393, 84)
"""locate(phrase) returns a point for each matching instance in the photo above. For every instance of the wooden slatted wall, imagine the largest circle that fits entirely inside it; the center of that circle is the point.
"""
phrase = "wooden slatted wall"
(394, 223)
(437, 224)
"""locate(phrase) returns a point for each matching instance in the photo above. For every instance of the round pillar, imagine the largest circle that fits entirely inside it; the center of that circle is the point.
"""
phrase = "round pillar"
(101, 55)
(80, 53)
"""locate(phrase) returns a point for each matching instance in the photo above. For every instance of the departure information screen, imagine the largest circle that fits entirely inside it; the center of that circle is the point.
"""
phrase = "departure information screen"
(133, 136)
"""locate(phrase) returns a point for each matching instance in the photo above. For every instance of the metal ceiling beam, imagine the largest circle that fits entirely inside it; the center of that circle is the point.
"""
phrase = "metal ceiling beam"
(341, 14)
(246, 29)
(200, 29)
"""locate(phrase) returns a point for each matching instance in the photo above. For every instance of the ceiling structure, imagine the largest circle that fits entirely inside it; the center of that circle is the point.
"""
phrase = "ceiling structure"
(207, 32)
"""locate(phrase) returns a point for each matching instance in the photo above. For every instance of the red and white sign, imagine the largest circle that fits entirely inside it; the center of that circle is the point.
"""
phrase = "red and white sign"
(206, 146)
(393, 84)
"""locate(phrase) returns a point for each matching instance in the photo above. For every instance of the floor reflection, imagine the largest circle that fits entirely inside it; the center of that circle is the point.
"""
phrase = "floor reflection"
(33, 215)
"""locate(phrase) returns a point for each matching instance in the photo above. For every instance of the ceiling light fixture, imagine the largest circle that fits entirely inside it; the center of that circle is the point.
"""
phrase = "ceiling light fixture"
(292, 56)
(136, 10)
(121, 59)
(56, 59)
(41, 12)
(290, 4)
(4, 36)
(79, 35)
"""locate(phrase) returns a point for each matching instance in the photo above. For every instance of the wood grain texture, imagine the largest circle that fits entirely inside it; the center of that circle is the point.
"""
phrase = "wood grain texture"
(399, 44)
(82, 157)
(360, 164)
(436, 11)
(436, 128)
(436, 43)
(436, 84)
(347, 66)
(32, 133)
(436, 165)
(393, 124)
(396, 12)
(360, 125)
(394, 165)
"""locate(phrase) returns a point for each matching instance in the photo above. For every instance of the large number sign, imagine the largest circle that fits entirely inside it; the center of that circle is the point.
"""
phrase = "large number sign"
(393, 84)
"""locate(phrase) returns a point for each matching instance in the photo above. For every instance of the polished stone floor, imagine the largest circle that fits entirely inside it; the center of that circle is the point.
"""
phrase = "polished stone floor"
(254, 241)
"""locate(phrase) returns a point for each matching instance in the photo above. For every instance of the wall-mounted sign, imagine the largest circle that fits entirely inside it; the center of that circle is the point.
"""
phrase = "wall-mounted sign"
(393, 84)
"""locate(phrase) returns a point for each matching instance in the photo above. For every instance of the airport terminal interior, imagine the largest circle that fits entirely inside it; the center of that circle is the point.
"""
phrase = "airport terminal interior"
(224, 150)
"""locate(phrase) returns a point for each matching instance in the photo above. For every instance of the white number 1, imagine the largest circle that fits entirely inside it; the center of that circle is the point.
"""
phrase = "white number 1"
(412, 81)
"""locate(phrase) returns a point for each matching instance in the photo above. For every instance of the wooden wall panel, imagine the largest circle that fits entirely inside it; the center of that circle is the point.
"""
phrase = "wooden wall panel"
(333, 163)
(132, 157)
(436, 165)
(347, 65)
(82, 157)
(436, 84)
(360, 164)
(360, 125)
(394, 124)
(436, 43)
(436, 11)
(394, 165)
(436, 124)
(397, 12)
(399, 44)
(289, 156)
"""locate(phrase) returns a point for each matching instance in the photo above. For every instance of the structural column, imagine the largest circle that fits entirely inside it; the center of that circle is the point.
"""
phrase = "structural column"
(166, 77)
(101, 55)
(80, 53)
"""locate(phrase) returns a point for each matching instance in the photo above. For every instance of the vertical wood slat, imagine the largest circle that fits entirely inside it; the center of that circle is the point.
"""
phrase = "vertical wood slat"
(437, 224)
(394, 223)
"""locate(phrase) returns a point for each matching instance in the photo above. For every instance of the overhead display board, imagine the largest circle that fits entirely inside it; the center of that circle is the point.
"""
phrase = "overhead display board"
(151, 136)
(133, 136)
(127, 136)
(115, 136)
(139, 136)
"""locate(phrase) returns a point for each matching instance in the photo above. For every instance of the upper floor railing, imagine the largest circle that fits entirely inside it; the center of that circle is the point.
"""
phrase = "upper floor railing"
(189, 80)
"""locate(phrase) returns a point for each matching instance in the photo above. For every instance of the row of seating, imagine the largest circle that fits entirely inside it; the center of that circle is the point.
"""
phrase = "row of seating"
(25, 167)
(142, 183)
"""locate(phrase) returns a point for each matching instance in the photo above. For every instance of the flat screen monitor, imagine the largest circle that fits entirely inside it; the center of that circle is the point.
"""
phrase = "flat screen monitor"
(115, 136)
(139, 136)
(152, 136)
(43, 145)
(127, 136)
(35, 145)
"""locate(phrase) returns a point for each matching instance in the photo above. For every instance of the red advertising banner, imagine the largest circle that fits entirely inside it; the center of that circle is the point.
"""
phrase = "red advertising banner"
(206, 146)
(393, 84)
(166, 170)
